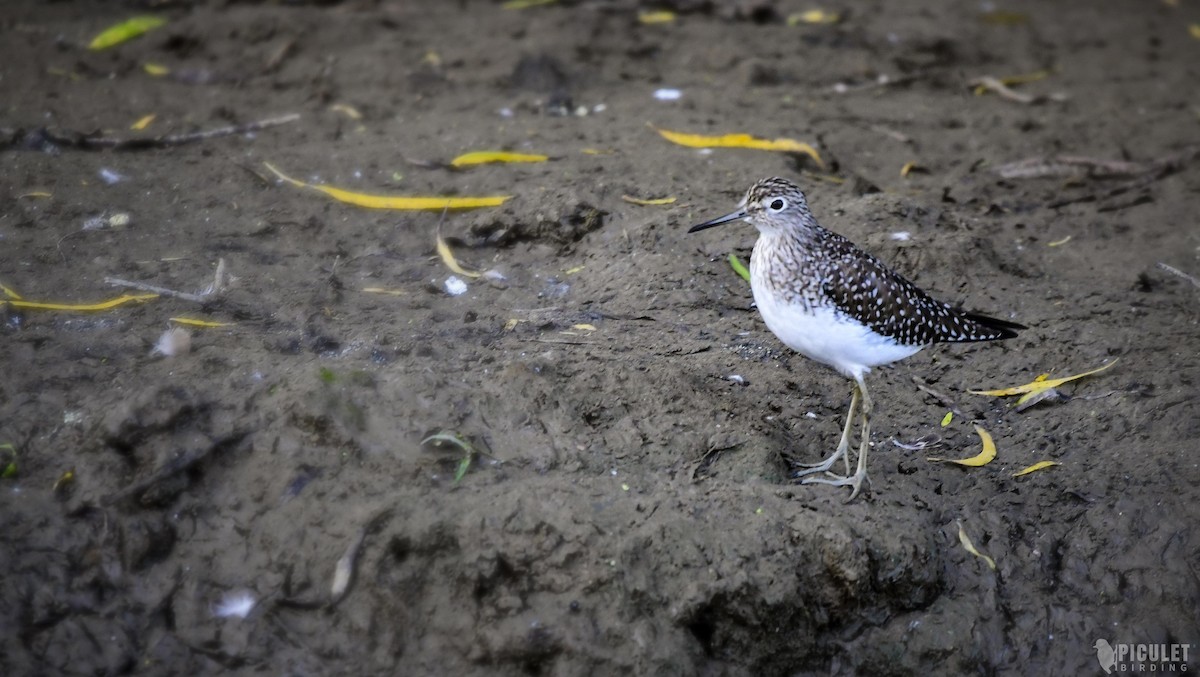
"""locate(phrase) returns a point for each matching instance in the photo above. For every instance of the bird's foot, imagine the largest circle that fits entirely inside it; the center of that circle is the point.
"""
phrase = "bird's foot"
(855, 482)
(823, 466)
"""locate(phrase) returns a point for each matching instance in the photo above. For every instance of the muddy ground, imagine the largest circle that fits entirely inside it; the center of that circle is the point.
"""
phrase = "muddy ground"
(640, 517)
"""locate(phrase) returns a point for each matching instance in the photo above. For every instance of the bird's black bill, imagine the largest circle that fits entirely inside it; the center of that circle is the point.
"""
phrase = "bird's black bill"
(739, 214)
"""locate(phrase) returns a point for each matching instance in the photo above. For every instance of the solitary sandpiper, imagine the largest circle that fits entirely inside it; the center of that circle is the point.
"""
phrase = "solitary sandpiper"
(835, 303)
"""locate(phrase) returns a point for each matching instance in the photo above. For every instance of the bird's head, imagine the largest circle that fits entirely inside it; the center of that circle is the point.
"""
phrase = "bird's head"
(772, 205)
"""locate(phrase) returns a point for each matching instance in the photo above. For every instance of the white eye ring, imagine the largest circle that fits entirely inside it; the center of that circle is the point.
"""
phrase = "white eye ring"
(776, 204)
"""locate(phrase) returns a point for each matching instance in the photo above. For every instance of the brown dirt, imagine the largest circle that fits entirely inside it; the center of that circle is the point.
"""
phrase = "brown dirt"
(642, 519)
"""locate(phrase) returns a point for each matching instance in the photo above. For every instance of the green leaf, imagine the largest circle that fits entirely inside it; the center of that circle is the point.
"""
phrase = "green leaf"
(463, 466)
(739, 267)
(126, 30)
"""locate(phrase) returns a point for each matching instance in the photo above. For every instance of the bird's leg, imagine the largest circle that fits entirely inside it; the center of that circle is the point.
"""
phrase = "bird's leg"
(843, 447)
(856, 480)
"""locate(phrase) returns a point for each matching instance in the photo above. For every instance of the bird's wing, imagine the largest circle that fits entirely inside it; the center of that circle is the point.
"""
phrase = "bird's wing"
(868, 291)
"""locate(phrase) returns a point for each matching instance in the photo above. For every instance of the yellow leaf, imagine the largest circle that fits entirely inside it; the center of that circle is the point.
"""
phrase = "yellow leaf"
(511, 324)
(198, 323)
(813, 16)
(909, 168)
(1194, 31)
(8, 291)
(652, 202)
(1040, 384)
(126, 30)
(63, 480)
(395, 202)
(347, 110)
(741, 141)
(155, 69)
(572, 271)
(381, 290)
(596, 151)
(443, 251)
(970, 547)
(947, 418)
(981, 459)
(143, 122)
(584, 327)
(524, 4)
(1036, 467)
(1057, 243)
(36, 193)
(103, 305)
(662, 17)
(485, 157)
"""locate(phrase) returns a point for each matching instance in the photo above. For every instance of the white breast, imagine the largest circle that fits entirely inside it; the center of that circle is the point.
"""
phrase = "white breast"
(825, 335)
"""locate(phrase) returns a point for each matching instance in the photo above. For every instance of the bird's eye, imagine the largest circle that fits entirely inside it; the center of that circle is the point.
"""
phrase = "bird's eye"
(778, 204)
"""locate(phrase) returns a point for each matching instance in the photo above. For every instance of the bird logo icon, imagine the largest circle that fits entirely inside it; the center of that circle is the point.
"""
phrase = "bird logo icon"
(1105, 655)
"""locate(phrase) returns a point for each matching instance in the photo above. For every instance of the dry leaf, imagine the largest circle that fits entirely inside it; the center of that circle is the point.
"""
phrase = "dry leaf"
(981, 459)
(970, 547)
(102, 305)
(198, 323)
(347, 110)
(1040, 465)
(1038, 385)
(486, 157)
(651, 202)
(395, 202)
(661, 17)
(741, 141)
(447, 255)
(813, 16)
(143, 122)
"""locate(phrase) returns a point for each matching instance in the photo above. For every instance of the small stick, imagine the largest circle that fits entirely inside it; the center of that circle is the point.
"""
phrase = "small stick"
(994, 84)
(220, 281)
(154, 289)
(945, 401)
(1180, 274)
(77, 140)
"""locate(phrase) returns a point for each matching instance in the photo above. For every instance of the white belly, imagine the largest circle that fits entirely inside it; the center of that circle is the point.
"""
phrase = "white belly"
(826, 337)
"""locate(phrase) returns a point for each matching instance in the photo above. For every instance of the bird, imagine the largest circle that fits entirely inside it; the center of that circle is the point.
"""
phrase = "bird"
(1105, 655)
(834, 303)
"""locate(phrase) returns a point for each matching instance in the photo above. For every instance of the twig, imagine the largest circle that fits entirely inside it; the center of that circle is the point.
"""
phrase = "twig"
(154, 289)
(996, 85)
(1099, 168)
(219, 283)
(888, 131)
(945, 401)
(37, 138)
(1180, 274)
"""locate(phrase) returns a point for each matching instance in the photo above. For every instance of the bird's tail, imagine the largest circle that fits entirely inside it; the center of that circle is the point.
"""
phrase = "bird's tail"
(993, 329)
